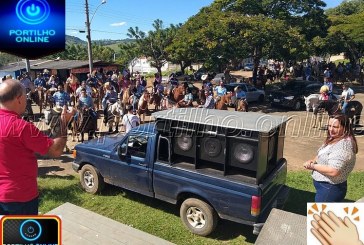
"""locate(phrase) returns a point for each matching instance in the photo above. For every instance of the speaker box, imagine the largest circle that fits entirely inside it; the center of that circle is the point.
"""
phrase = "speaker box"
(212, 148)
(243, 153)
(185, 145)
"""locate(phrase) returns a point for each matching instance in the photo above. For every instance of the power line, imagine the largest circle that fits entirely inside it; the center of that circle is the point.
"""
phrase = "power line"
(74, 29)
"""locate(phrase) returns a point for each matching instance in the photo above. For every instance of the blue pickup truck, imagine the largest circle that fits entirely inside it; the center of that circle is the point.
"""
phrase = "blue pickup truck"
(213, 164)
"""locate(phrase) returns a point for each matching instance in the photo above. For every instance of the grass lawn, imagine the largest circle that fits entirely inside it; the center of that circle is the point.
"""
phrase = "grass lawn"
(162, 219)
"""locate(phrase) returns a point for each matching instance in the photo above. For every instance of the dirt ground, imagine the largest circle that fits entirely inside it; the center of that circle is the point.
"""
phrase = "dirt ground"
(301, 141)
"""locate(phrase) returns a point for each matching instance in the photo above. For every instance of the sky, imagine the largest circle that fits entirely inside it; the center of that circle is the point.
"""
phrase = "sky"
(113, 19)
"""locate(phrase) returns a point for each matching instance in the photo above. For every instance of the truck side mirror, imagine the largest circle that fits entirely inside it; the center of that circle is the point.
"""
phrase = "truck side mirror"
(123, 150)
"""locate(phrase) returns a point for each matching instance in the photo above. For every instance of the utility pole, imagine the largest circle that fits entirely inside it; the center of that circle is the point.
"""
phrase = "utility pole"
(89, 46)
(27, 65)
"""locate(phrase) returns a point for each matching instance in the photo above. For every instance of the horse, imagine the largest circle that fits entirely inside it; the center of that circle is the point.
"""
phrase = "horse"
(201, 96)
(71, 90)
(49, 97)
(319, 107)
(52, 118)
(241, 105)
(222, 102)
(113, 114)
(353, 111)
(38, 97)
(125, 100)
(178, 93)
(87, 123)
(95, 97)
(143, 105)
(312, 102)
(155, 99)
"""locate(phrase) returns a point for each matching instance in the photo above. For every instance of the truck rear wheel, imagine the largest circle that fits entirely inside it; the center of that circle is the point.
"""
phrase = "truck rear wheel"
(199, 217)
(91, 179)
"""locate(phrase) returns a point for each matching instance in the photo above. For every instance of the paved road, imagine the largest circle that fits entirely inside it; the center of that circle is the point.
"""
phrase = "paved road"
(301, 143)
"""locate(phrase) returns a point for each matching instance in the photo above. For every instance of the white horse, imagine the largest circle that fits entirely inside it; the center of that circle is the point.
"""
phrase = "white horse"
(312, 102)
(114, 113)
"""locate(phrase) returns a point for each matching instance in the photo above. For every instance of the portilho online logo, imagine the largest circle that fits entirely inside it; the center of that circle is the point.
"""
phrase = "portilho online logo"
(32, 12)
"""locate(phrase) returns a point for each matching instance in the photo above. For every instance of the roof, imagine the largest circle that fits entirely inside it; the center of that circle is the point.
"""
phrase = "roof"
(228, 119)
(49, 64)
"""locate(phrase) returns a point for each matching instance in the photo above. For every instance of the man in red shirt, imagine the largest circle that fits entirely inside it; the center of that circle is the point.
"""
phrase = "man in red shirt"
(19, 141)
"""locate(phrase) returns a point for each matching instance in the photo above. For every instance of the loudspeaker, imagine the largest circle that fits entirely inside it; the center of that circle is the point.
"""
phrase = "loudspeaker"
(185, 145)
(212, 149)
(243, 153)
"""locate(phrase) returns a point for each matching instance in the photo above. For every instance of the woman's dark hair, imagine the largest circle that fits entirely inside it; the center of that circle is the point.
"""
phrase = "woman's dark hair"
(348, 131)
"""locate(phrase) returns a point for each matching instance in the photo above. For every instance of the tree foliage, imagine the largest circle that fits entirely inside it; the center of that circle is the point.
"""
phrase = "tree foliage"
(346, 33)
(230, 30)
(79, 52)
(153, 44)
(6, 58)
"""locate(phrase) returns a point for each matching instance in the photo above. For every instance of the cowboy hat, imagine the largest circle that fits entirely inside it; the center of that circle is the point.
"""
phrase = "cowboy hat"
(57, 109)
(204, 77)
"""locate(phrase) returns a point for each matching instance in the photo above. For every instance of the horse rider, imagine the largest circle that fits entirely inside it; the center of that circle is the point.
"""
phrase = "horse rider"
(91, 81)
(347, 96)
(61, 97)
(187, 99)
(83, 86)
(220, 90)
(206, 83)
(110, 97)
(209, 102)
(324, 93)
(39, 81)
(328, 83)
(239, 94)
(137, 91)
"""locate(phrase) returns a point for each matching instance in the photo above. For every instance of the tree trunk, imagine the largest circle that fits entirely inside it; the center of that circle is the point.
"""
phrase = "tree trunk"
(256, 60)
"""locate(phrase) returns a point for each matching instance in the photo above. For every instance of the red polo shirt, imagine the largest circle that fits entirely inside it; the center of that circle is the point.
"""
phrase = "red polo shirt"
(19, 140)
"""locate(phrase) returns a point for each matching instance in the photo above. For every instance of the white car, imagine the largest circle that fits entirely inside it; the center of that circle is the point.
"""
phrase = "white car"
(252, 93)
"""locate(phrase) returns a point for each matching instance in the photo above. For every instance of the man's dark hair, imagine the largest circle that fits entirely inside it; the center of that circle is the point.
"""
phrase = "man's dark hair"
(8, 94)
(83, 90)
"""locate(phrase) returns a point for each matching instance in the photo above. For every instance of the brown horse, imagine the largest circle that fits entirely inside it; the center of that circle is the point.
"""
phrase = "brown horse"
(38, 97)
(201, 96)
(222, 102)
(178, 93)
(155, 99)
(241, 105)
(95, 97)
(125, 100)
(143, 105)
(71, 90)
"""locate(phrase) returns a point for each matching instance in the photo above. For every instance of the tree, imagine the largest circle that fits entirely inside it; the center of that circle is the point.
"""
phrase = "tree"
(153, 46)
(128, 54)
(303, 20)
(6, 58)
(346, 33)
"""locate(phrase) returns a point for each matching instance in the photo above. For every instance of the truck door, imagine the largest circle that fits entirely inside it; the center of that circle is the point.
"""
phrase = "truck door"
(131, 168)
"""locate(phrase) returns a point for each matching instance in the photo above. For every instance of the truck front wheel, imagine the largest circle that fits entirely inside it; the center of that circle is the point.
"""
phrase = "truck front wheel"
(91, 180)
(199, 217)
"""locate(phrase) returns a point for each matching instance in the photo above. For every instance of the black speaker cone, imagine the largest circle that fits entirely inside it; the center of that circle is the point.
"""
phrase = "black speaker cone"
(184, 143)
(212, 147)
(243, 153)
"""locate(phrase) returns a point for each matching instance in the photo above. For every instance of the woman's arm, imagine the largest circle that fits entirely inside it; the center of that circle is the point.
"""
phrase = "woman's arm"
(323, 169)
